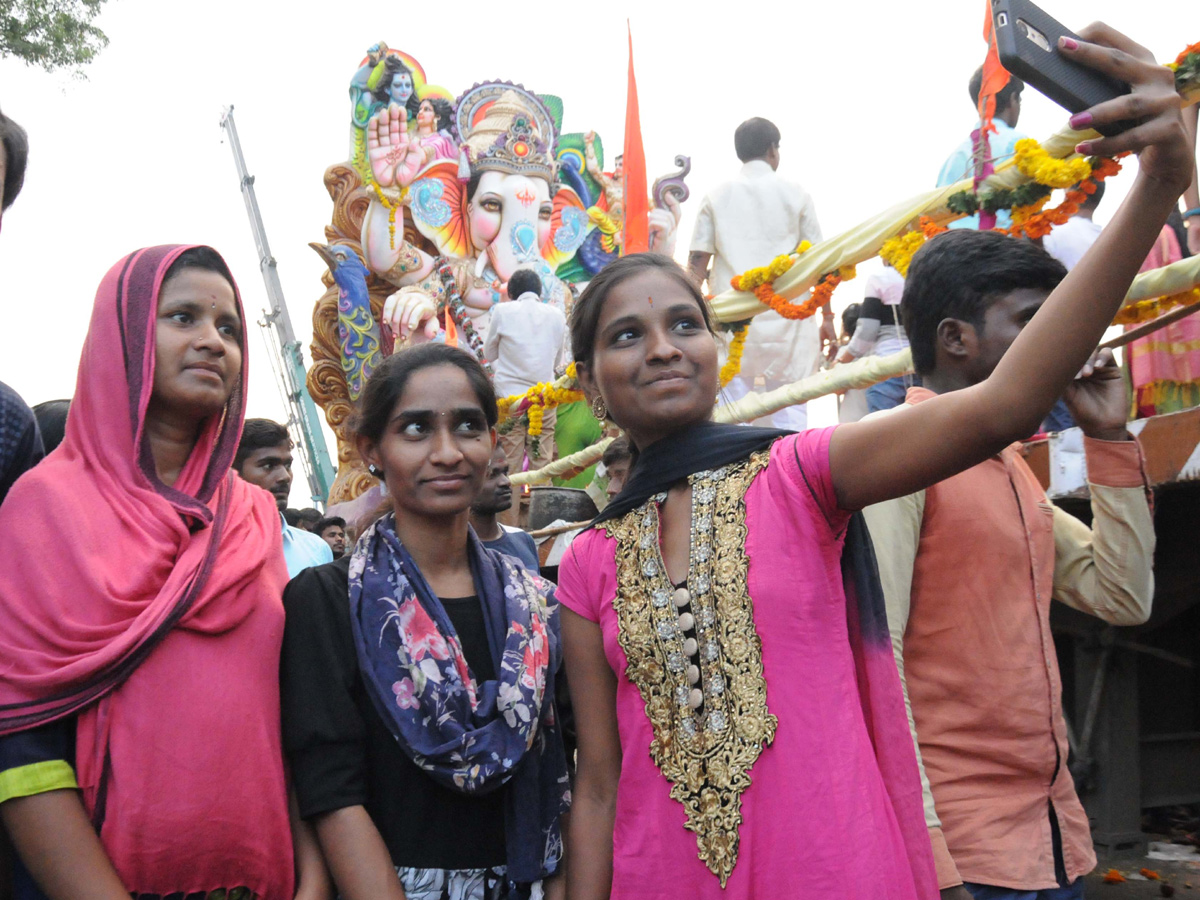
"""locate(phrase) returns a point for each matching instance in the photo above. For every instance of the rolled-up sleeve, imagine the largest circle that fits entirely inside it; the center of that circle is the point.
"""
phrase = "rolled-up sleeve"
(1108, 570)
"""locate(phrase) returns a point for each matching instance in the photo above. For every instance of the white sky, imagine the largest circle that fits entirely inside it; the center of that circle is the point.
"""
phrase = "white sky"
(870, 98)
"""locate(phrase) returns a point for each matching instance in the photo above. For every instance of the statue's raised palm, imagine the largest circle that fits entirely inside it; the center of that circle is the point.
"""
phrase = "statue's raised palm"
(394, 158)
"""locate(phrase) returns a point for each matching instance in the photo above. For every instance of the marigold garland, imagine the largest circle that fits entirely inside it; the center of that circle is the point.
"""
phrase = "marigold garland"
(1036, 164)
(761, 282)
(898, 251)
(1186, 68)
(1146, 310)
(1189, 50)
(737, 346)
(1022, 214)
(541, 397)
(754, 278)
(1040, 224)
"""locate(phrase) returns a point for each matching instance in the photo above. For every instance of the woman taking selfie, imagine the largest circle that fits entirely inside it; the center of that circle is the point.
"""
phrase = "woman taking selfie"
(418, 670)
(741, 727)
(141, 596)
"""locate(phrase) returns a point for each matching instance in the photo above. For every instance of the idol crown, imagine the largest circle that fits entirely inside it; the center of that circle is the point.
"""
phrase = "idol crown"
(519, 150)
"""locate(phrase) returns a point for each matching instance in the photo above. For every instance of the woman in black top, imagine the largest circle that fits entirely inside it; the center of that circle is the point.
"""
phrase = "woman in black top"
(418, 670)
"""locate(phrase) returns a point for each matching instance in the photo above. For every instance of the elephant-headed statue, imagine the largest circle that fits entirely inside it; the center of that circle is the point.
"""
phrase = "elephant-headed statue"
(509, 212)
(439, 203)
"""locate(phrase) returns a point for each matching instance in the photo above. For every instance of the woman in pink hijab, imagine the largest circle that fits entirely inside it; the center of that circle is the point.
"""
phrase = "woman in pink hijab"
(140, 748)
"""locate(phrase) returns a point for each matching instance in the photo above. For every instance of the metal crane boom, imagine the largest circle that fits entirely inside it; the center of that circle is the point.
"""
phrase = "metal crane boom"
(302, 412)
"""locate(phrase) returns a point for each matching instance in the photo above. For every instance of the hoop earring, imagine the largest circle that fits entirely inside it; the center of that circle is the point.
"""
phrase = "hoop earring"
(599, 410)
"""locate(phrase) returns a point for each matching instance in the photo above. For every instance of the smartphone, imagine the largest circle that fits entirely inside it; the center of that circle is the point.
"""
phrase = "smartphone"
(1027, 43)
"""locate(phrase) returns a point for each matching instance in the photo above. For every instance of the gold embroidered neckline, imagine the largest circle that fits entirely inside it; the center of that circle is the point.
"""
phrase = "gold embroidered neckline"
(704, 745)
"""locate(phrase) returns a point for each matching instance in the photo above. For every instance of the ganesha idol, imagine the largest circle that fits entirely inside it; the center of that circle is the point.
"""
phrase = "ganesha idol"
(439, 204)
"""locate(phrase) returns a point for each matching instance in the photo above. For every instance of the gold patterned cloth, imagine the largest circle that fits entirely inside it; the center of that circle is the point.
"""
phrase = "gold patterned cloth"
(695, 656)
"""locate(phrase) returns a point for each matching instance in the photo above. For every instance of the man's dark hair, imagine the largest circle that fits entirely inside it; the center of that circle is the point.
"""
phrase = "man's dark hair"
(16, 157)
(850, 318)
(754, 139)
(618, 451)
(328, 522)
(961, 273)
(309, 518)
(51, 417)
(1092, 200)
(524, 281)
(256, 434)
(975, 85)
(394, 66)
(443, 113)
(292, 517)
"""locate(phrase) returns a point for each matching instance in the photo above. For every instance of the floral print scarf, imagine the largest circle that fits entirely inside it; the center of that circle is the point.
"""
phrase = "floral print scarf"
(469, 736)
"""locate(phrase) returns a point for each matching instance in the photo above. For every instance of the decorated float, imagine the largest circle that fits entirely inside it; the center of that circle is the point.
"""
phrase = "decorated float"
(442, 198)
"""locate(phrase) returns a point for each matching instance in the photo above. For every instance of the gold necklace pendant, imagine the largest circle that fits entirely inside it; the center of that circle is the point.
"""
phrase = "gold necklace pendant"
(695, 656)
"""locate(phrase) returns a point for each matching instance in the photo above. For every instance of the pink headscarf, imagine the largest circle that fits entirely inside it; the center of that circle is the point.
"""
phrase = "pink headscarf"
(154, 614)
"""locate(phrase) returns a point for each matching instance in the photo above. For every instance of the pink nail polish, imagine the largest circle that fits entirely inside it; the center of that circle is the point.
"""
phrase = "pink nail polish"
(1068, 43)
(1081, 120)
(1084, 148)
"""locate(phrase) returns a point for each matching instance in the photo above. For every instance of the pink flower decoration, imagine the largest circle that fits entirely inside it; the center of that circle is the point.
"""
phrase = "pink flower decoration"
(420, 634)
(406, 694)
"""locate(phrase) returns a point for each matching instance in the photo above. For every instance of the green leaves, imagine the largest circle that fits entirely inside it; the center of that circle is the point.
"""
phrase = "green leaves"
(51, 34)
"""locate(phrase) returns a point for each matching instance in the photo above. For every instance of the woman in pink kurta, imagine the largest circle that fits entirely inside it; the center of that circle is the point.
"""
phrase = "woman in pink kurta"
(835, 823)
(741, 729)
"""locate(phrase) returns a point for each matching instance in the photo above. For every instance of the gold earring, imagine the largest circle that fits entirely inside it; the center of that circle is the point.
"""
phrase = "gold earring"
(599, 410)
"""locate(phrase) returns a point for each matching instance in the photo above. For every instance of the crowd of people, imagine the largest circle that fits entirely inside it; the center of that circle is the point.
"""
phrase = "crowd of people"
(762, 670)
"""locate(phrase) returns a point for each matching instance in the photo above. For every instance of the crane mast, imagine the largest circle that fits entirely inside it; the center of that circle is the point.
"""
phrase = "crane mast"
(289, 372)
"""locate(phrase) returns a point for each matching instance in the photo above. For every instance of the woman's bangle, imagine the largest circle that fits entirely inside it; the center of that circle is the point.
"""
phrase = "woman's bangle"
(1192, 213)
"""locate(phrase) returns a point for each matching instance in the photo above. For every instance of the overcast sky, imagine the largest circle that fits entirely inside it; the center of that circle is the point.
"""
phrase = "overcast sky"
(870, 98)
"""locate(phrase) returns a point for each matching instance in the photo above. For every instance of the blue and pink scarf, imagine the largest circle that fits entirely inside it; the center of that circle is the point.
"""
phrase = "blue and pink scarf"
(470, 736)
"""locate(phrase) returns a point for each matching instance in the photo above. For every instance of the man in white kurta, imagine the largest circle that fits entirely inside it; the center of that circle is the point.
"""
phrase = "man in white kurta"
(745, 223)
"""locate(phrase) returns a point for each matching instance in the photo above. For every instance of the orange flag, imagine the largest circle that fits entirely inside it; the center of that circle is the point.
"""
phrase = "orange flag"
(637, 203)
(995, 76)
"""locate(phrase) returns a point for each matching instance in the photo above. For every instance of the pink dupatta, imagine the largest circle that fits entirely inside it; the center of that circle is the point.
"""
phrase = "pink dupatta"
(154, 615)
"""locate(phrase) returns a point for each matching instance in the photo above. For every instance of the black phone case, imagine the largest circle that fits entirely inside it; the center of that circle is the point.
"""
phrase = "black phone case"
(1070, 85)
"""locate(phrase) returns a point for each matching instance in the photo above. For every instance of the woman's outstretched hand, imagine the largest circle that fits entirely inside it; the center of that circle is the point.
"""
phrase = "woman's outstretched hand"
(1158, 138)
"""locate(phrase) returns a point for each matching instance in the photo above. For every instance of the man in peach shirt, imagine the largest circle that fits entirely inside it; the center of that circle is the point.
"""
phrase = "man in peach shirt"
(969, 568)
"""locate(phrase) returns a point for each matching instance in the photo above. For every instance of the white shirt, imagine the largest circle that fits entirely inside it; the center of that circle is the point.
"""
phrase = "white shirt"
(745, 223)
(1069, 241)
(524, 343)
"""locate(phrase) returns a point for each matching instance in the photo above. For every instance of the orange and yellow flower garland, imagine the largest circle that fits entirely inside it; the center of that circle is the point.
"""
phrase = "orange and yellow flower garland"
(1145, 310)
(761, 281)
(1039, 224)
(541, 397)
(899, 250)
